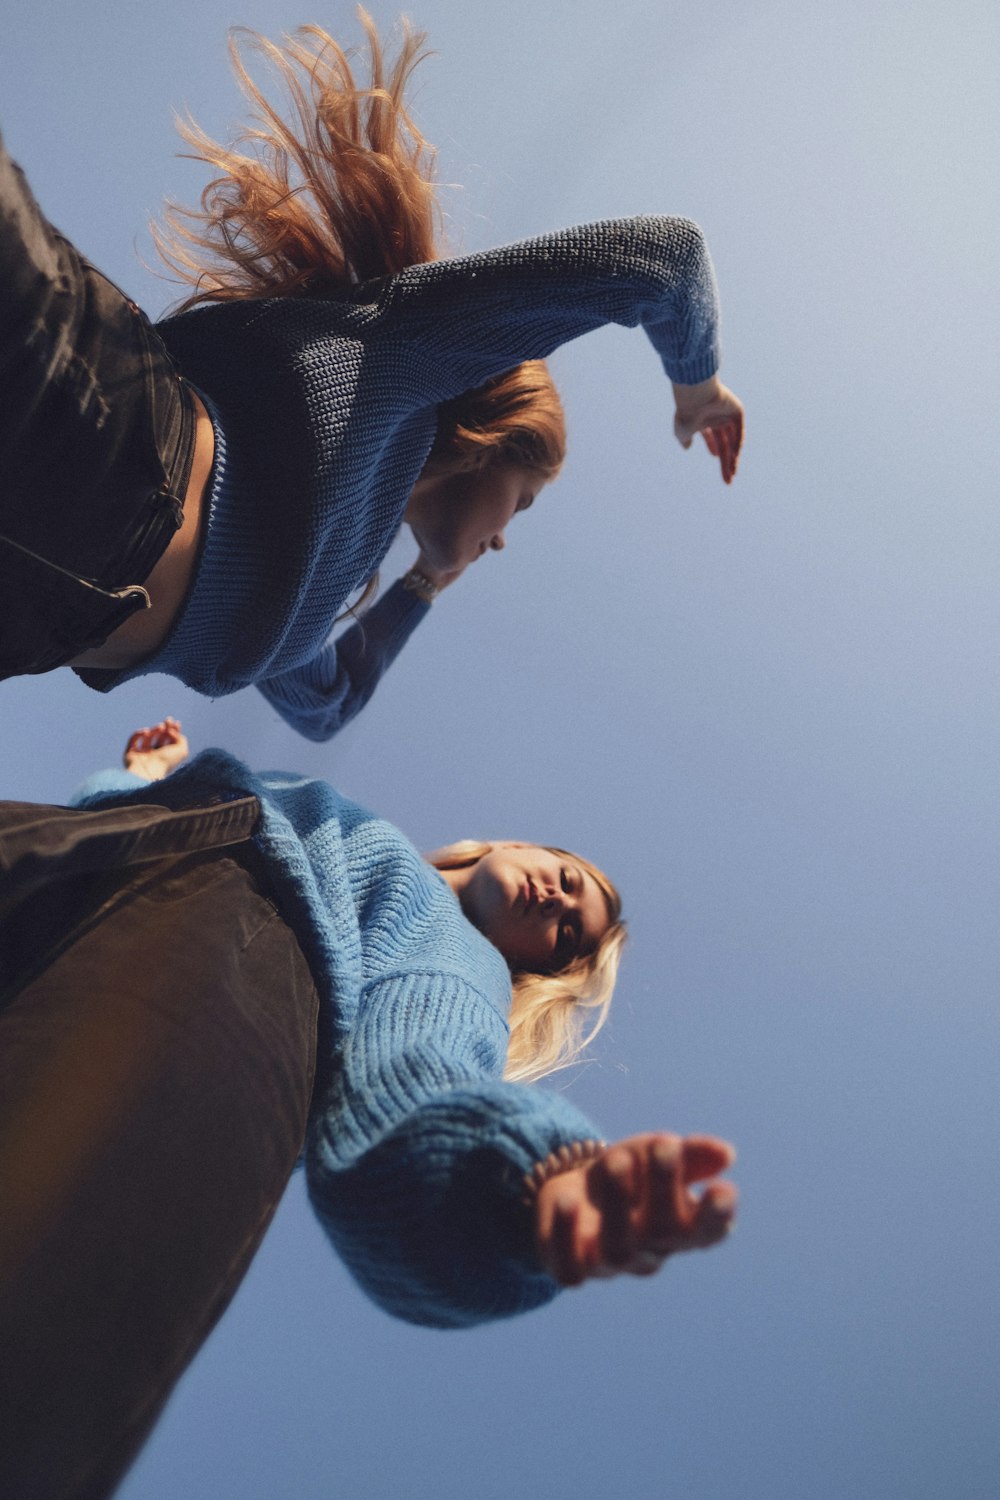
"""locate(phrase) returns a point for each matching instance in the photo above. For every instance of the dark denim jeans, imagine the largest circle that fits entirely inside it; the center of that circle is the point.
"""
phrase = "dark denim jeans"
(96, 441)
(157, 1051)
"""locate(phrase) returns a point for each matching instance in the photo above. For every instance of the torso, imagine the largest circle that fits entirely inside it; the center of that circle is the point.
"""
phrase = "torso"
(168, 583)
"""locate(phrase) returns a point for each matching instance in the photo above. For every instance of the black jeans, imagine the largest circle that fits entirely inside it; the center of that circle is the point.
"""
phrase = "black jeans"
(157, 1052)
(97, 436)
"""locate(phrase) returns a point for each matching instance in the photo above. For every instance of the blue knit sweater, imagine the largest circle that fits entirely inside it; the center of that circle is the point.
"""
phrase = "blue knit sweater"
(416, 1150)
(325, 410)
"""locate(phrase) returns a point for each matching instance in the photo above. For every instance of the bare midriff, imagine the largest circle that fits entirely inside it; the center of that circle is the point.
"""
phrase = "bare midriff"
(167, 585)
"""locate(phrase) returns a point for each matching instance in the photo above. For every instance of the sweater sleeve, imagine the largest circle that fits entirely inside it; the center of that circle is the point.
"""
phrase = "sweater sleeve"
(477, 315)
(322, 695)
(417, 1155)
(106, 783)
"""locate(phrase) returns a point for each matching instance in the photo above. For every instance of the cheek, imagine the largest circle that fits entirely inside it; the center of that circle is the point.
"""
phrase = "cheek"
(492, 911)
(529, 950)
(485, 521)
(468, 530)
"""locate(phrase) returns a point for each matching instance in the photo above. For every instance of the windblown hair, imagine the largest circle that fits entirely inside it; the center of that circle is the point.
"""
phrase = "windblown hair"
(555, 1017)
(342, 192)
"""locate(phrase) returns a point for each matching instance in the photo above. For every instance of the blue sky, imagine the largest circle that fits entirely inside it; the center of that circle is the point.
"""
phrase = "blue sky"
(769, 712)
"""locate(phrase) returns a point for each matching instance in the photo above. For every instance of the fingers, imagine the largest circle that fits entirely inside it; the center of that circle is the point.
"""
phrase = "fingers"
(565, 1259)
(715, 442)
(669, 1206)
(166, 732)
(724, 443)
(678, 1220)
(612, 1190)
(705, 1156)
(715, 1215)
(723, 439)
(733, 444)
(633, 1206)
(718, 416)
(641, 1190)
(141, 755)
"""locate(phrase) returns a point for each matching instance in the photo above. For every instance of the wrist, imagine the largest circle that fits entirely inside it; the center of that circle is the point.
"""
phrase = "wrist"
(136, 764)
(558, 1163)
(693, 397)
(422, 582)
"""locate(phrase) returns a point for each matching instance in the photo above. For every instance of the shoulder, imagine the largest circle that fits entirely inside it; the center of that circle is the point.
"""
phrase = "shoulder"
(410, 920)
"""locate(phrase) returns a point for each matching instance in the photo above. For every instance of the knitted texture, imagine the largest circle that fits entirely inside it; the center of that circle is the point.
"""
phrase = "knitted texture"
(325, 410)
(417, 1151)
(325, 693)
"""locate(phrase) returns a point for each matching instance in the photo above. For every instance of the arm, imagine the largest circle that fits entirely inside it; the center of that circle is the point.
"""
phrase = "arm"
(455, 1198)
(150, 755)
(480, 314)
(418, 1153)
(324, 694)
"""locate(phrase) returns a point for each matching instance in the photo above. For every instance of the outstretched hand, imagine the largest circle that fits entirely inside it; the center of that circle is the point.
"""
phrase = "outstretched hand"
(712, 410)
(153, 753)
(631, 1207)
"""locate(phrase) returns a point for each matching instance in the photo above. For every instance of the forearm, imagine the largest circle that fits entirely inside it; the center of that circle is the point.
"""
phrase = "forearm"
(417, 1160)
(323, 695)
(433, 1221)
(484, 313)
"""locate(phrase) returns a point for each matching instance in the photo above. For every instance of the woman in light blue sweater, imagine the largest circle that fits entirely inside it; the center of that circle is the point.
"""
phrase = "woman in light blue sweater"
(239, 472)
(202, 973)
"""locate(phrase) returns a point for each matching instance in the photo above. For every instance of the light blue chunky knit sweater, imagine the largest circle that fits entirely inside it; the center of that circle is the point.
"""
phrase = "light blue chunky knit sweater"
(325, 410)
(416, 1149)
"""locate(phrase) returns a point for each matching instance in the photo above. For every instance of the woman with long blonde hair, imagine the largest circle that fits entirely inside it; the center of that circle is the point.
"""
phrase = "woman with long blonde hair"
(203, 972)
(239, 470)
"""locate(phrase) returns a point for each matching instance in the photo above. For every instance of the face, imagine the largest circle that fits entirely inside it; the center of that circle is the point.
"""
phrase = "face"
(540, 909)
(455, 518)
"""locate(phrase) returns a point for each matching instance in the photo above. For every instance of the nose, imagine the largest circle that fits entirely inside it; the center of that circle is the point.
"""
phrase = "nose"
(553, 904)
(498, 543)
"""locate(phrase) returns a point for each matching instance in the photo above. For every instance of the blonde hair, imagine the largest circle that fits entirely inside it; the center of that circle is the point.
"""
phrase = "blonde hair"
(555, 1017)
(341, 194)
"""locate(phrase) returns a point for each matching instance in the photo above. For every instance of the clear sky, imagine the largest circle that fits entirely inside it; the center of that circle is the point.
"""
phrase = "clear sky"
(770, 712)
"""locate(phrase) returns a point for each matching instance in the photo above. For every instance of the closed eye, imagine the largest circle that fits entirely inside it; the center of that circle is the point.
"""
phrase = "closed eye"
(526, 502)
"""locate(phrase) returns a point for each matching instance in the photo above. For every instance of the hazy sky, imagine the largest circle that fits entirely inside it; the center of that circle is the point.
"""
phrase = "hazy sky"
(770, 712)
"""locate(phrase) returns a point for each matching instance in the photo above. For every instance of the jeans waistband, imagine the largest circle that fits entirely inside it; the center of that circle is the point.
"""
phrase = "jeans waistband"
(40, 844)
